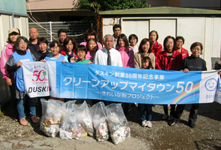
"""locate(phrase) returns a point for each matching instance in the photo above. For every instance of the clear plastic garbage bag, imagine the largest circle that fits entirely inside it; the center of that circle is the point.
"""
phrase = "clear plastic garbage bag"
(71, 127)
(98, 115)
(84, 117)
(117, 123)
(52, 114)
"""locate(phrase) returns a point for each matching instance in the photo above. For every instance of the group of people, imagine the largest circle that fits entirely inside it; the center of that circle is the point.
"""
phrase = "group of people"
(118, 50)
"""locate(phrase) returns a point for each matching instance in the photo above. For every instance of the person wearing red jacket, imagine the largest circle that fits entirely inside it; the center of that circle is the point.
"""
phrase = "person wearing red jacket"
(70, 46)
(156, 47)
(169, 59)
(179, 47)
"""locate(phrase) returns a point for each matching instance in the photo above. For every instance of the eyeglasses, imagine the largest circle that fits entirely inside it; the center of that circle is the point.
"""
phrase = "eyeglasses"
(196, 49)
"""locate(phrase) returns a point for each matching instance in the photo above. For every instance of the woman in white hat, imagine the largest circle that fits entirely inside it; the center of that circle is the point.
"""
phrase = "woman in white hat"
(7, 51)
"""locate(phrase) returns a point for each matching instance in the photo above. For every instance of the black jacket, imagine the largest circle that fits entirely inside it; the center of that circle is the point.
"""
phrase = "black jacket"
(193, 64)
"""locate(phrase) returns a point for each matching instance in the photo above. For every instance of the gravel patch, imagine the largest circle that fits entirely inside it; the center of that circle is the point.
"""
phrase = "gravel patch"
(206, 135)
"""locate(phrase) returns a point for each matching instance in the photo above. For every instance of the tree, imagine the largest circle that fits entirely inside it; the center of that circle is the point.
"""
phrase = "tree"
(101, 5)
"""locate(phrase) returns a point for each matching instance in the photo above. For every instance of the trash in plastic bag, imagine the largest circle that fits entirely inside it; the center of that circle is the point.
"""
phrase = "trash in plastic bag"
(98, 115)
(52, 114)
(117, 122)
(71, 128)
(84, 117)
(65, 135)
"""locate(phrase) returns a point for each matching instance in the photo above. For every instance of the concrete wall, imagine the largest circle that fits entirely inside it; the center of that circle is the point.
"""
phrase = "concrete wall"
(194, 29)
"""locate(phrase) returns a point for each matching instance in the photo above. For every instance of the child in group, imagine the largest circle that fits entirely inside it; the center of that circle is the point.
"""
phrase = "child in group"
(92, 48)
(14, 65)
(70, 46)
(191, 63)
(55, 56)
(7, 51)
(81, 53)
(42, 52)
(169, 59)
(133, 39)
(146, 120)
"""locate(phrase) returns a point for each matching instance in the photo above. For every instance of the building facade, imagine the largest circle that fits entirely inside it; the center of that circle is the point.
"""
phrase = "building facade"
(195, 25)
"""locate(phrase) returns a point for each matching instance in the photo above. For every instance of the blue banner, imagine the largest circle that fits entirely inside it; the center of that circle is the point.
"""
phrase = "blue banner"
(121, 84)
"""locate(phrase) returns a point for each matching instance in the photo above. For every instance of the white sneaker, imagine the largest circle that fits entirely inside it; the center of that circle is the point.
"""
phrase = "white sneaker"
(144, 123)
(165, 117)
(149, 124)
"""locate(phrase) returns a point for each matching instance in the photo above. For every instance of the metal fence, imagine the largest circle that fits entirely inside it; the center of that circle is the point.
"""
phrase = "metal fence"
(74, 29)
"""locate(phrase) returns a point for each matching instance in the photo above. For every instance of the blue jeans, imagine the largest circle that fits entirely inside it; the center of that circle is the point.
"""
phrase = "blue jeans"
(145, 107)
(21, 109)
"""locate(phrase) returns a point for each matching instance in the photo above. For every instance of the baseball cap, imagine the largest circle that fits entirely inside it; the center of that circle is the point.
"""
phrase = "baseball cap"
(13, 30)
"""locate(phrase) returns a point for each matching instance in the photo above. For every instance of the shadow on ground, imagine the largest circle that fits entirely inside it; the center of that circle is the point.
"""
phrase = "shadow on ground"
(212, 143)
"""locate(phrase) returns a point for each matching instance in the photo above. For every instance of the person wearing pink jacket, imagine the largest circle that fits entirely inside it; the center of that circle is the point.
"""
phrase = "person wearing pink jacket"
(92, 48)
(91, 34)
(127, 56)
(127, 53)
(7, 51)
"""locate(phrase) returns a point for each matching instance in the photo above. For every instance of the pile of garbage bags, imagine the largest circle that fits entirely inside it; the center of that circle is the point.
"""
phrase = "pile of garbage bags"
(72, 121)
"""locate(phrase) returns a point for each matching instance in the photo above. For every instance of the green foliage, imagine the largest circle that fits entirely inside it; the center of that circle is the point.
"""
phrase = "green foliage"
(100, 5)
